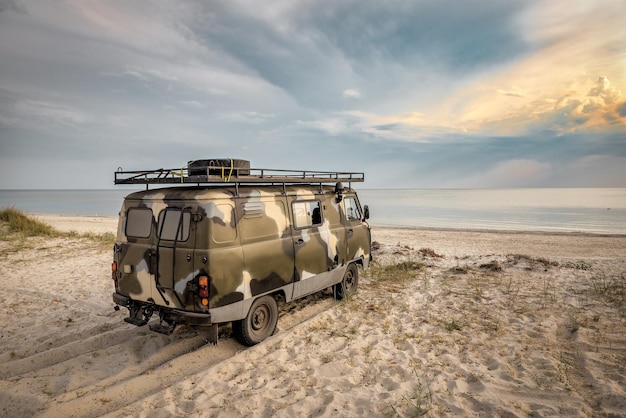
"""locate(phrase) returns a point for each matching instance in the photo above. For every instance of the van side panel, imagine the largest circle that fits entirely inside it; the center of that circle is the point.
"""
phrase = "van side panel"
(266, 242)
(219, 252)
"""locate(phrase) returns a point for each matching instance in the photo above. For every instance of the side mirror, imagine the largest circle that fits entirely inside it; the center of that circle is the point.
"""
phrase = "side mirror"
(366, 212)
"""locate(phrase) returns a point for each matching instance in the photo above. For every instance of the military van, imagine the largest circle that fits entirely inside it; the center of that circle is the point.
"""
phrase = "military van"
(219, 242)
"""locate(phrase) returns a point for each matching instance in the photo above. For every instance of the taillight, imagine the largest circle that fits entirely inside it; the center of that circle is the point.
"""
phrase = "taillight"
(203, 290)
(114, 271)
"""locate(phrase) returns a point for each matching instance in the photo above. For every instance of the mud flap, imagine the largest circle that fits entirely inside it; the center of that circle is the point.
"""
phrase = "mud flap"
(209, 333)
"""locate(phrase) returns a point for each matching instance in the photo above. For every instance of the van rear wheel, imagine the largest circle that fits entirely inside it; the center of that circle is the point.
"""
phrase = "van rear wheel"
(260, 322)
(347, 287)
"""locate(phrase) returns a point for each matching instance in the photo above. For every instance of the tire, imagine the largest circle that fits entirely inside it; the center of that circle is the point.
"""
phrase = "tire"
(260, 322)
(347, 286)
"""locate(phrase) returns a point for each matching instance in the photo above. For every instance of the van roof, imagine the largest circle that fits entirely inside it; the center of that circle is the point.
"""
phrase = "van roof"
(229, 192)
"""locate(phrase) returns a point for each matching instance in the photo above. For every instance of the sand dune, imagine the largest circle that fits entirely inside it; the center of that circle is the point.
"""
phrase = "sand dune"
(445, 323)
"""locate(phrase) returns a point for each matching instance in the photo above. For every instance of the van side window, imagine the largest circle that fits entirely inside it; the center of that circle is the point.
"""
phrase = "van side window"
(353, 212)
(306, 214)
(170, 226)
(138, 223)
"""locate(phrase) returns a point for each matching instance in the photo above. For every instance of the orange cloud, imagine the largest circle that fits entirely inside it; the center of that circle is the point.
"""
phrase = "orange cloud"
(571, 80)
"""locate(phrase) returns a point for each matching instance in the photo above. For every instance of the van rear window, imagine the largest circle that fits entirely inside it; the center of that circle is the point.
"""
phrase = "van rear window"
(138, 222)
(174, 225)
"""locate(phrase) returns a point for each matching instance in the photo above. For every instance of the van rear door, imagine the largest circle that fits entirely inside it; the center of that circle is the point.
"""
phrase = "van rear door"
(136, 236)
(173, 261)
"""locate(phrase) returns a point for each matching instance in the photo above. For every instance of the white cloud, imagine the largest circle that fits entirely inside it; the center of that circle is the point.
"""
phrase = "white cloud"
(352, 94)
(245, 117)
(146, 74)
(193, 103)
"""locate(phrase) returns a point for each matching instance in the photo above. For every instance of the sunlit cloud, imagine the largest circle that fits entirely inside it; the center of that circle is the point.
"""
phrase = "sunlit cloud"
(564, 83)
(513, 91)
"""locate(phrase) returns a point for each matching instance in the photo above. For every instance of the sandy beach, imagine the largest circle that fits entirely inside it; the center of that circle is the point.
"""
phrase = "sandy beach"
(445, 323)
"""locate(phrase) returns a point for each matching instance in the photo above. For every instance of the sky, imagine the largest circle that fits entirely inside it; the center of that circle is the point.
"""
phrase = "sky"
(415, 93)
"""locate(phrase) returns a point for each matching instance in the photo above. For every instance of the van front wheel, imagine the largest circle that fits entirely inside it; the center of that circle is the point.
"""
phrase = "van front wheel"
(348, 285)
(260, 322)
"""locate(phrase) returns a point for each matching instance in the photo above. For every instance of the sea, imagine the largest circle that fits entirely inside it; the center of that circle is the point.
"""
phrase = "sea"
(566, 210)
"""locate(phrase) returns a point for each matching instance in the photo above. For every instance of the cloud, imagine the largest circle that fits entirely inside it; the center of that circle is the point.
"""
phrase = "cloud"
(561, 82)
(12, 6)
(248, 117)
(514, 91)
(351, 94)
(335, 125)
(456, 94)
(148, 74)
(193, 103)
(594, 169)
(509, 173)
(52, 112)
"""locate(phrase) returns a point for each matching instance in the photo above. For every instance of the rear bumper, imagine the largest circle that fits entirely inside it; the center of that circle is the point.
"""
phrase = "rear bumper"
(176, 315)
(122, 300)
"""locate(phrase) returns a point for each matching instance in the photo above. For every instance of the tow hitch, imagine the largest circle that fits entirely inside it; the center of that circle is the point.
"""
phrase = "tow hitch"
(138, 315)
(165, 327)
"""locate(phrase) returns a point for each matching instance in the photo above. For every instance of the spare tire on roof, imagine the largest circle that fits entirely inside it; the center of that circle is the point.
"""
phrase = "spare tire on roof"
(219, 166)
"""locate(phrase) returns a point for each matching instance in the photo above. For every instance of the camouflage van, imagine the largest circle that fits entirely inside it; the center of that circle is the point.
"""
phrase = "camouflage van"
(222, 241)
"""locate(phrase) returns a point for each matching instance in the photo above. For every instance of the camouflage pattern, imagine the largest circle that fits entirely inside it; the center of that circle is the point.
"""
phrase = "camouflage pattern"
(245, 240)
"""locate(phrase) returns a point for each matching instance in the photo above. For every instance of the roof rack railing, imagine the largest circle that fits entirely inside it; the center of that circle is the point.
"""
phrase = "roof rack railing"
(225, 175)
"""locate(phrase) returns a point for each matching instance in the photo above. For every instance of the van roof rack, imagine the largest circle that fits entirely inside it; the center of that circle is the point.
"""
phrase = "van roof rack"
(234, 175)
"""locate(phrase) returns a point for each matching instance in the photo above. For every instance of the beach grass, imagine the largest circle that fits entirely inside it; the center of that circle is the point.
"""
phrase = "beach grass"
(16, 225)
(21, 223)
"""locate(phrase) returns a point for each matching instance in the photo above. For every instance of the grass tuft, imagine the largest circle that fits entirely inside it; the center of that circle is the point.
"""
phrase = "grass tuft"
(420, 402)
(521, 258)
(397, 272)
(578, 265)
(491, 266)
(429, 252)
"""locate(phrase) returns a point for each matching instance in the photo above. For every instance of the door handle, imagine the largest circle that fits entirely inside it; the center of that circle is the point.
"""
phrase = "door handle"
(153, 262)
(300, 241)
